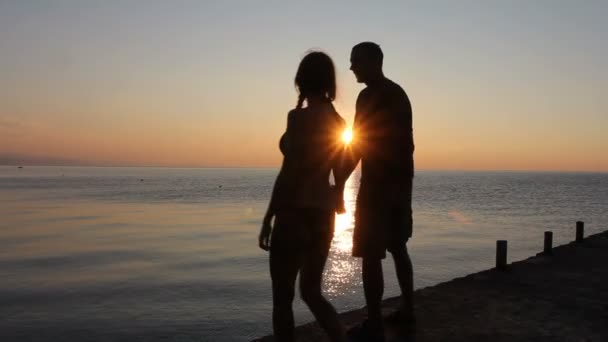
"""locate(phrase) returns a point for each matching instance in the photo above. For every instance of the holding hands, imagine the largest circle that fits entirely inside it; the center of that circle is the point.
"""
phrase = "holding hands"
(337, 194)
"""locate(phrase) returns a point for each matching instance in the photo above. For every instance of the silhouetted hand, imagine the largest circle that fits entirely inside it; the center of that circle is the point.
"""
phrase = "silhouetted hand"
(337, 195)
(340, 207)
(264, 238)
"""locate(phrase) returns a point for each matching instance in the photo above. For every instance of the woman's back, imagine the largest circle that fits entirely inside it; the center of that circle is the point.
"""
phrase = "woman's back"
(311, 147)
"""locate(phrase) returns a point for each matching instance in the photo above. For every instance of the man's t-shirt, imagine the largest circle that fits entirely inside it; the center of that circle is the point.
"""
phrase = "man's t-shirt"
(384, 142)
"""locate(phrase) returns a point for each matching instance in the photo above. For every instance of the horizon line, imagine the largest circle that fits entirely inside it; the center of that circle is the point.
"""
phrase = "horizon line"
(278, 167)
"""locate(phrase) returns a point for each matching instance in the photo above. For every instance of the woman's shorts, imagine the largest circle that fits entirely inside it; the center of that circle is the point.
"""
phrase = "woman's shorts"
(303, 230)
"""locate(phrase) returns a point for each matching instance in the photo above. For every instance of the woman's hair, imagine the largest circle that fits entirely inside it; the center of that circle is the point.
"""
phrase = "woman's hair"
(316, 76)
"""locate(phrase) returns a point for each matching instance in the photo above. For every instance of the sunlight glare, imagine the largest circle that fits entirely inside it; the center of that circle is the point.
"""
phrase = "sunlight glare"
(347, 136)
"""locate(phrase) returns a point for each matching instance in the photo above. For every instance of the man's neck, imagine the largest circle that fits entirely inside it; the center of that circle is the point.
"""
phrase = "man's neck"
(375, 79)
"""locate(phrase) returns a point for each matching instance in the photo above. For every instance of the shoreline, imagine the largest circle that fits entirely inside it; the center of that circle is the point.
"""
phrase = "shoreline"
(557, 297)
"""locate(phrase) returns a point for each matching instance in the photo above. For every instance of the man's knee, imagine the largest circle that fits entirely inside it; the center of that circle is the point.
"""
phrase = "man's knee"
(398, 250)
(401, 256)
(371, 270)
(371, 263)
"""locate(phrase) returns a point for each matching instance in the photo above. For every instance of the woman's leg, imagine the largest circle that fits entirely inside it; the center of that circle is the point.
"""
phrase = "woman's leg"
(283, 271)
(310, 288)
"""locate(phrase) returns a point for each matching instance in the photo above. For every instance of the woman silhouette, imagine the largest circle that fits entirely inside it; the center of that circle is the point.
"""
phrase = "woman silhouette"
(303, 201)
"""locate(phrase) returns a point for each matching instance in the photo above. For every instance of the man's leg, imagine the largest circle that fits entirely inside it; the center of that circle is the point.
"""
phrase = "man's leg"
(373, 287)
(402, 226)
(369, 244)
(405, 276)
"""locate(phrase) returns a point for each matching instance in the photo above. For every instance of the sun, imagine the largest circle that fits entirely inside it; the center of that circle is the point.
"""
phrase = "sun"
(347, 136)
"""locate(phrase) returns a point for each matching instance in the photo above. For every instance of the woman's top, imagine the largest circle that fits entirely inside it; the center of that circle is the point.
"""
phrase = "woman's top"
(312, 147)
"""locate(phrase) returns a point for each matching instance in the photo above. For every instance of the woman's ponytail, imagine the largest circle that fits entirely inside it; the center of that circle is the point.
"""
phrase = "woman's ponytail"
(301, 99)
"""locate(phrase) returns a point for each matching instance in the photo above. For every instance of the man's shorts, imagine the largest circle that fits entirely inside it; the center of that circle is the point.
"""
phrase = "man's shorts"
(382, 226)
(302, 231)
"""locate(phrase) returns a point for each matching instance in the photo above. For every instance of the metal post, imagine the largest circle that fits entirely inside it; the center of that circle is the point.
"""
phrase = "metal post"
(501, 255)
(580, 231)
(548, 250)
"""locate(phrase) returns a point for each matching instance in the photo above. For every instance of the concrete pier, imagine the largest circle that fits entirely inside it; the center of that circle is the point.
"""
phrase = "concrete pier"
(562, 296)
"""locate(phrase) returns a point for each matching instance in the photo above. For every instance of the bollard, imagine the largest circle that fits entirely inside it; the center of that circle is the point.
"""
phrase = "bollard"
(580, 231)
(548, 250)
(501, 255)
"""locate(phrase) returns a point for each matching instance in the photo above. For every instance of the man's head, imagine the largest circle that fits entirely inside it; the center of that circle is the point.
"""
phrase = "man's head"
(366, 61)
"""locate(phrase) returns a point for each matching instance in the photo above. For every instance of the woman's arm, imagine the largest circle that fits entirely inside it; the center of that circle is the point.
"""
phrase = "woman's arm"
(285, 145)
(275, 197)
(272, 205)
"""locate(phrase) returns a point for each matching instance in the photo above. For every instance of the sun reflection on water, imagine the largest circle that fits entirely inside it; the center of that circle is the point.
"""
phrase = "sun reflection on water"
(343, 234)
(342, 272)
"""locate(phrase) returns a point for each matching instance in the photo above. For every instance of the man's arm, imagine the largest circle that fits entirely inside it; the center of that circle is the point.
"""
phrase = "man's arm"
(352, 153)
(345, 162)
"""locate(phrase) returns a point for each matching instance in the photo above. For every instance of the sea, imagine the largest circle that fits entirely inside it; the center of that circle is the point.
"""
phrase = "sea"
(170, 254)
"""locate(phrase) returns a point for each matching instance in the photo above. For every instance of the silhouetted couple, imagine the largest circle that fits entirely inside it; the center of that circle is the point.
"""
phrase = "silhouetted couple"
(303, 202)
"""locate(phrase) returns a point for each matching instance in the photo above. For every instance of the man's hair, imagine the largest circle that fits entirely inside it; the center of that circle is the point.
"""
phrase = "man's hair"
(371, 50)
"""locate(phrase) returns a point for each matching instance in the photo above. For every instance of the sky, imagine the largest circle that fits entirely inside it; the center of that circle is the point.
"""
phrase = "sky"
(494, 85)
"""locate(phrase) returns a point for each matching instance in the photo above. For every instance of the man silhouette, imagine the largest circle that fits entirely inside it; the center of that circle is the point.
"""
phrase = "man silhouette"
(383, 142)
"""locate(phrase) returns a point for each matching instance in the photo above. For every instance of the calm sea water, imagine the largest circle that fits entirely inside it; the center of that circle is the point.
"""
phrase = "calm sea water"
(150, 254)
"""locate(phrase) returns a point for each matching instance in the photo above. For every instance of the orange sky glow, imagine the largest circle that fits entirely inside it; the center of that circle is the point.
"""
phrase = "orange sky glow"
(212, 87)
